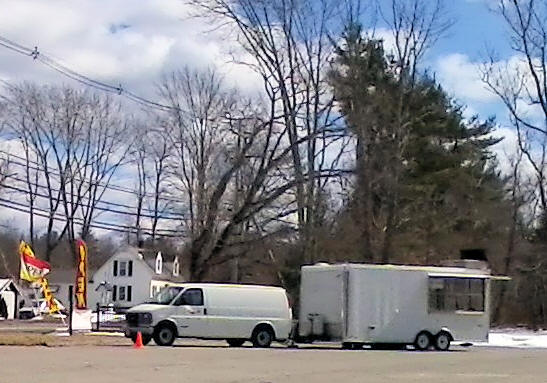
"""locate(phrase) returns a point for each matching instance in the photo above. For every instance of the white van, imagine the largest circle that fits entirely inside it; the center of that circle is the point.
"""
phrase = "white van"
(236, 313)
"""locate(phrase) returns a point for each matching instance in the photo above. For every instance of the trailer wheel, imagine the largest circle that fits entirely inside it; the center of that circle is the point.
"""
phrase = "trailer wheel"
(442, 341)
(422, 341)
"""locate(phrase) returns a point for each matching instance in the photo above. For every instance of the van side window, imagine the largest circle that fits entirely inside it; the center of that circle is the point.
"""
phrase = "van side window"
(451, 294)
(191, 297)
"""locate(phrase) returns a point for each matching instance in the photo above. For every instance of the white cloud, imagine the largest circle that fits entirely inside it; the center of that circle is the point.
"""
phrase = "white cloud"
(115, 41)
(461, 77)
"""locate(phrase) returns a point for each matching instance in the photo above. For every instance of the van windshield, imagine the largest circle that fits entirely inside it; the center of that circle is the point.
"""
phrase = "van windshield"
(166, 295)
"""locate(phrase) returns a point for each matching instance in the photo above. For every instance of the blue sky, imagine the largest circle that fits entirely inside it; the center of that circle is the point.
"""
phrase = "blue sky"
(454, 59)
(476, 27)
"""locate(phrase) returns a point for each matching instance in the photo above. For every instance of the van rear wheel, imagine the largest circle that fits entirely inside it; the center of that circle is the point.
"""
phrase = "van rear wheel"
(235, 342)
(263, 336)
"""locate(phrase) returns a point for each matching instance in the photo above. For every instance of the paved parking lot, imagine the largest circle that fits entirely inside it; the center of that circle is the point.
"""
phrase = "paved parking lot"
(213, 362)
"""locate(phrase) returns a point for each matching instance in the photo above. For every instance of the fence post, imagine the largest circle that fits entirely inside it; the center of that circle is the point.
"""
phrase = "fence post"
(70, 308)
(98, 316)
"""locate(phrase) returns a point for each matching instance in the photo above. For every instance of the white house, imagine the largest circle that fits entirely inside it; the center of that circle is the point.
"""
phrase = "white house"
(11, 298)
(132, 276)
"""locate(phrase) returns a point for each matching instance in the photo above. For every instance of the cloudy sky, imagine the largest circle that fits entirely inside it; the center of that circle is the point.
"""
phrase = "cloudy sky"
(132, 43)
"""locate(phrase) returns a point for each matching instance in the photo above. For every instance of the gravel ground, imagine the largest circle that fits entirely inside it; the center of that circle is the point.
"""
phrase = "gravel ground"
(196, 361)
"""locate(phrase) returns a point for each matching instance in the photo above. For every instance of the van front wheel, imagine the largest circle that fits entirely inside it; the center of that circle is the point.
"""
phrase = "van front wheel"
(164, 335)
(262, 336)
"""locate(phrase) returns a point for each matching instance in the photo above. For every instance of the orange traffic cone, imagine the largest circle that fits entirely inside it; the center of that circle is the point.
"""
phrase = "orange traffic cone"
(138, 341)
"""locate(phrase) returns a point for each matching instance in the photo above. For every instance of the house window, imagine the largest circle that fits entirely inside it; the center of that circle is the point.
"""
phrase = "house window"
(115, 269)
(121, 293)
(123, 269)
(452, 294)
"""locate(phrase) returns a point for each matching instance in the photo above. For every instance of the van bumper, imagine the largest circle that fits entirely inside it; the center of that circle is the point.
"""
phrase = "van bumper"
(144, 330)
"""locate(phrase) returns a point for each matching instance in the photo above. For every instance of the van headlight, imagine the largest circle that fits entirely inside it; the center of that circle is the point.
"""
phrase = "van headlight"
(145, 318)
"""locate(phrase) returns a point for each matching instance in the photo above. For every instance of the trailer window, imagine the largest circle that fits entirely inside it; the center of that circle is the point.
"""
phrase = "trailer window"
(451, 294)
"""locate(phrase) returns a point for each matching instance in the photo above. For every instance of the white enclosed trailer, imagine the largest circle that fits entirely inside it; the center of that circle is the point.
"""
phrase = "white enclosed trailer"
(359, 304)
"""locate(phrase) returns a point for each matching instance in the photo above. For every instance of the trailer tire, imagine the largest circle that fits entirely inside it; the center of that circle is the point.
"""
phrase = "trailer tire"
(442, 341)
(422, 341)
(263, 336)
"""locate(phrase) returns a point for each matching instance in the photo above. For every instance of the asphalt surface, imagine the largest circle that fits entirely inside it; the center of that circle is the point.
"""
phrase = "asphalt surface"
(190, 361)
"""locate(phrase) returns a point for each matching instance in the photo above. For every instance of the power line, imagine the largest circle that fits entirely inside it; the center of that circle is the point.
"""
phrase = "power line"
(83, 79)
(97, 224)
(54, 190)
(79, 220)
(105, 209)
(103, 185)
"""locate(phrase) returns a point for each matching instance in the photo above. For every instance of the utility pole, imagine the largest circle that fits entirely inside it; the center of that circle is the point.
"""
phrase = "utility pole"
(234, 277)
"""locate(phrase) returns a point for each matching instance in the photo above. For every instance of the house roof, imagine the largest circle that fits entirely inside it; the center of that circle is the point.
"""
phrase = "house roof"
(6, 282)
(149, 259)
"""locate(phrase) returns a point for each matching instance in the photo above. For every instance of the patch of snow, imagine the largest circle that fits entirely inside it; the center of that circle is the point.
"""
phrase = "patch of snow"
(516, 338)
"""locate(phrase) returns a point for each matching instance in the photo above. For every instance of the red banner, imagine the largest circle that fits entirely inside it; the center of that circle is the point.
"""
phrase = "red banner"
(81, 276)
(32, 268)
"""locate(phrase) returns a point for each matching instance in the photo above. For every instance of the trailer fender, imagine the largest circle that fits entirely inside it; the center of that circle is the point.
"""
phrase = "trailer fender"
(447, 330)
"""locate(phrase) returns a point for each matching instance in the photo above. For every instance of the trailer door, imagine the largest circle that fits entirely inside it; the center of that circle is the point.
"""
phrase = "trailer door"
(323, 295)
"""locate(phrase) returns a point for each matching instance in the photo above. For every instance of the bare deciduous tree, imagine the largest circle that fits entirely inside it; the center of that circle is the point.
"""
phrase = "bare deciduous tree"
(74, 143)
(196, 136)
(290, 43)
(520, 82)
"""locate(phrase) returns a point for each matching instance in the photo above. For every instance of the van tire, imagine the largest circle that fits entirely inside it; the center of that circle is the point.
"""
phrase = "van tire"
(263, 336)
(235, 342)
(442, 341)
(423, 341)
(165, 334)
